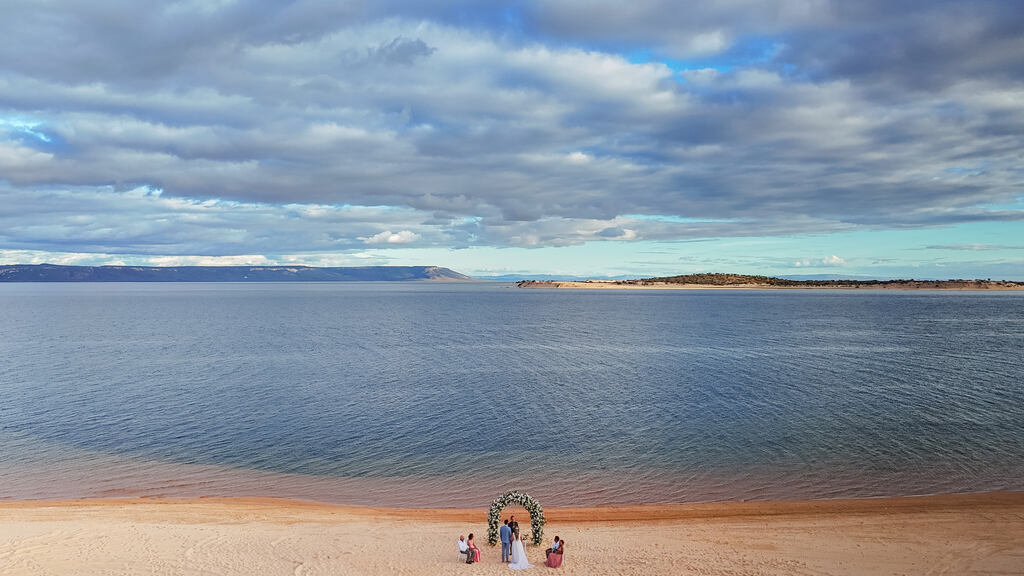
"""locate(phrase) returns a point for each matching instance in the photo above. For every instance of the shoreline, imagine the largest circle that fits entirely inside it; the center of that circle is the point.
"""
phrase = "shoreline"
(952, 533)
(620, 285)
(614, 512)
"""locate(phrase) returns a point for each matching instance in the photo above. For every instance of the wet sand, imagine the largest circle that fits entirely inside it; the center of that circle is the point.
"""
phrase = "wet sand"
(949, 534)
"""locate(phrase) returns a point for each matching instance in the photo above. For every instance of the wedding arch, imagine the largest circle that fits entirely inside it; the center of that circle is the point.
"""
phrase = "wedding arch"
(524, 500)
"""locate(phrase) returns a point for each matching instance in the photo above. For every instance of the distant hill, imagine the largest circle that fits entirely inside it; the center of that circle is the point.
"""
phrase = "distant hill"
(832, 277)
(55, 273)
(748, 281)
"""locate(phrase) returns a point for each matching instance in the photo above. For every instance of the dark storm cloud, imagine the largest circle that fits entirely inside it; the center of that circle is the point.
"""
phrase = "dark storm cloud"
(515, 123)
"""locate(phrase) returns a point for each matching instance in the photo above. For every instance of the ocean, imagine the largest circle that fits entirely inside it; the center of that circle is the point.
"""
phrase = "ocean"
(436, 395)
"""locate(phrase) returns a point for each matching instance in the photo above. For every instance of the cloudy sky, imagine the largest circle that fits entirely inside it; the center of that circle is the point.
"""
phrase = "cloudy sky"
(517, 137)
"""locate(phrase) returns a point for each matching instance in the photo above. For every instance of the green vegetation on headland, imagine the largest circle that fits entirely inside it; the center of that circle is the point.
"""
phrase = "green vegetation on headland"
(748, 281)
(54, 273)
(734, 279)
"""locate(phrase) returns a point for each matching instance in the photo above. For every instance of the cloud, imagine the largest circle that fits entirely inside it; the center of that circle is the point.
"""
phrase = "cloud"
(833, 260)
(973, 247)
(613, 232)
(828, 261)
(105, 259)
(700, 29)
(319, 126)
(386, 237)
(147, 222)
(922, 45)
(233, 260)
(402, 51)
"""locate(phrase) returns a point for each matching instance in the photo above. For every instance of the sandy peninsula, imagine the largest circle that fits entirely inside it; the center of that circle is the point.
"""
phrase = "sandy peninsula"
(655, 284)
(618, 285)
(965, 534)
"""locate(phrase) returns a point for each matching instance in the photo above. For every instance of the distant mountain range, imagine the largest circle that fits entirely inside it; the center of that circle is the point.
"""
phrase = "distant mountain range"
(55, 273)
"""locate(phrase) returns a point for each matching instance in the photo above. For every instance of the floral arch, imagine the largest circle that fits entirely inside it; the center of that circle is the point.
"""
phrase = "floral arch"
(524, 500)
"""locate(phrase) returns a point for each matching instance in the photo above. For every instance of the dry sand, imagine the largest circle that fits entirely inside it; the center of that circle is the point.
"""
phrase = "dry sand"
(968, 534)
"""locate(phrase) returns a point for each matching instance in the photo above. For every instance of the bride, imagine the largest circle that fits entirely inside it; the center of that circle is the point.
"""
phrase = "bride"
(518, 555)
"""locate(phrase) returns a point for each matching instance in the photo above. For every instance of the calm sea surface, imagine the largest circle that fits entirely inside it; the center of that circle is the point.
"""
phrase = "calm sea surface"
(447, 394)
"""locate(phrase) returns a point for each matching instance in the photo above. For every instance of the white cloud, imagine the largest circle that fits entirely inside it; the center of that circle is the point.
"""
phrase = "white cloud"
(386, 237)
(103, 259)
(833, 260)
(151, 223)
(234, 260)
(578, 158)
(828, 261)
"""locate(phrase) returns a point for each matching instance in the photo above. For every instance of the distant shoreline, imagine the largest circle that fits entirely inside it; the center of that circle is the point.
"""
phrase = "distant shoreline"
(45, 273)
(953, 285)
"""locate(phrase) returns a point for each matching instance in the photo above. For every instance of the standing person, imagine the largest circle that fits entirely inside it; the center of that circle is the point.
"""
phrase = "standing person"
(519, 561)
(506, 541)
(512, 524)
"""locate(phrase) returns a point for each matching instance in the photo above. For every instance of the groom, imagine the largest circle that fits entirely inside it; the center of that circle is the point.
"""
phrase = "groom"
(506, 541)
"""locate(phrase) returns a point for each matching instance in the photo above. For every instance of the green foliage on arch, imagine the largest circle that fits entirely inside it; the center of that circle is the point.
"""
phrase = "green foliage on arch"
(524, 500)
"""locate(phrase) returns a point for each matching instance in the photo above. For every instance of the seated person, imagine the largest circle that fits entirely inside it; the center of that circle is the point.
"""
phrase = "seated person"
(464, 549)
(554, 559)
(472, 548)
(556, 548)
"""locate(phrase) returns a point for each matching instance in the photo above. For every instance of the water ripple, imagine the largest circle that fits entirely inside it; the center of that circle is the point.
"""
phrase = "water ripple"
(444, 395)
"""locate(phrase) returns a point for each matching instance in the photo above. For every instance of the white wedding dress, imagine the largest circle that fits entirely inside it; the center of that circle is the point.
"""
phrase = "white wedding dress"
(519, 556)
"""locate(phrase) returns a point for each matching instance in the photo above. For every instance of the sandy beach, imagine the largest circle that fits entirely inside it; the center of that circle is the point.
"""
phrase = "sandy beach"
(952, 534)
